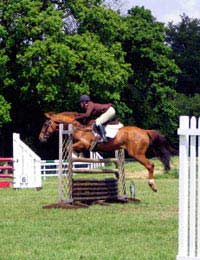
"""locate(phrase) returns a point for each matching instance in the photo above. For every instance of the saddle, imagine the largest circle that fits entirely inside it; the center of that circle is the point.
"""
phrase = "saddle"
(115, 121)
(111, 129)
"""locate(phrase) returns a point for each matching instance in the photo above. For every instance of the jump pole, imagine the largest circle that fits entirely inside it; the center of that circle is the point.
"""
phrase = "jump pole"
(65, 153)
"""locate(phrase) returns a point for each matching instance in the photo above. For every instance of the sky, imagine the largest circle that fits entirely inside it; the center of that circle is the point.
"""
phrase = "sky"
(166, 10)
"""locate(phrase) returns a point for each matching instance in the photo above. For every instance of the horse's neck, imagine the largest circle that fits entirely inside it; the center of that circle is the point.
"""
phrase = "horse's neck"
(69, 114)
(67, 119)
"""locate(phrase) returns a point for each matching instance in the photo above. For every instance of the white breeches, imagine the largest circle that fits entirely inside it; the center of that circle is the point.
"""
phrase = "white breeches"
(108, 115)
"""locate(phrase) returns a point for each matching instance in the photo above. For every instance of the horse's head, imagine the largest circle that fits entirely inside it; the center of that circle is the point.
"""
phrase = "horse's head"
(48, 128)
(52, 123)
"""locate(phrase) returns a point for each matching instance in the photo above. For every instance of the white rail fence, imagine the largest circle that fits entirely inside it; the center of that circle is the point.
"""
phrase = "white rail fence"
(50, 168)
(189, 189)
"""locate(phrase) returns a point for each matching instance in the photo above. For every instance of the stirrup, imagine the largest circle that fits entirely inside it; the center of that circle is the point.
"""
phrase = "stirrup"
(102, 139)
(105, 139)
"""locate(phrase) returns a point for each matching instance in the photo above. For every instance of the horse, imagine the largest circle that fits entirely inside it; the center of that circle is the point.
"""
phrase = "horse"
(134, 140)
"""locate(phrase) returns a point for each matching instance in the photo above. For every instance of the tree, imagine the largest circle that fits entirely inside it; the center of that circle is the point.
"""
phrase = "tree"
(4, 77)
(53, 66)
(188, 105)
(150, 92)
(184, 39)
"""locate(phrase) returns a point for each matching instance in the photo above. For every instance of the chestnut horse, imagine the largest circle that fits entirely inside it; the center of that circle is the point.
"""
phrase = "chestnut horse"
(133, 139)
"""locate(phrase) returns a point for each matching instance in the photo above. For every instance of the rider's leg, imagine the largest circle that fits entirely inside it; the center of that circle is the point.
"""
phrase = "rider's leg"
(105, 117)
(102, 132)
(108, 115)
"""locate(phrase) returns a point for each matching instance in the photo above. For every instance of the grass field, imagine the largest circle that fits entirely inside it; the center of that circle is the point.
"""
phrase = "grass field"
(147, 230)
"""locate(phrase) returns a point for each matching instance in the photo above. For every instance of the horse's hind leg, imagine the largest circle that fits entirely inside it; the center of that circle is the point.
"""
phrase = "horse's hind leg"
(150, 167)
(136, 146)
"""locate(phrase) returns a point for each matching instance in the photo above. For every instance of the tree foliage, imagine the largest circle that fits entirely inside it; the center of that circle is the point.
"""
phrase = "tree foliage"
(184, 39)
(150, 90)
(188, 105)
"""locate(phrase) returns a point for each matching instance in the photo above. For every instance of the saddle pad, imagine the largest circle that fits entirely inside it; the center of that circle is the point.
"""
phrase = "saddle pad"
(111, 130)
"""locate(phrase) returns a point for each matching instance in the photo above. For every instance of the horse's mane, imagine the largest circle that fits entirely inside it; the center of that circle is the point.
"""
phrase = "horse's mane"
(63, 117)
(69, 113)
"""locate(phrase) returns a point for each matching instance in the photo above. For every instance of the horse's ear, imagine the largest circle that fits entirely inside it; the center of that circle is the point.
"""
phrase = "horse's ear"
(48, 114)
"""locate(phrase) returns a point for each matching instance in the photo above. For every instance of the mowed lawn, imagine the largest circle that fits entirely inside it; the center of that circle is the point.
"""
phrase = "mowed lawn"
(134, 231)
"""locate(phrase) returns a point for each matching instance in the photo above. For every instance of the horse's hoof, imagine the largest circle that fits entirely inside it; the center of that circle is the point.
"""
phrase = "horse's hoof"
(153, 188)
(152, 185)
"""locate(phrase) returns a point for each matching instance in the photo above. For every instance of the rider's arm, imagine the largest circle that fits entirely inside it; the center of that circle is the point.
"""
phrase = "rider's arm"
(88, 112)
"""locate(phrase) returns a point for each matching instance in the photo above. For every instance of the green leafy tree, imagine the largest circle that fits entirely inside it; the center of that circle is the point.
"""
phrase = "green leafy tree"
(4, 104)
(188, 105)
(28, 27)
(51, 66)
(105, 26)
(184, 38)
(150, 92)
(105, 23)
(81, 64)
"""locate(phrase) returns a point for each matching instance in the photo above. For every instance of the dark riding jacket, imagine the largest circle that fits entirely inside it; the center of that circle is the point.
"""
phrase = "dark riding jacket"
(94, 109)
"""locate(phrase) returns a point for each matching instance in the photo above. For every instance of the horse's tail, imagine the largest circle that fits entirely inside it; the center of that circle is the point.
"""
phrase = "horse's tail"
(162, 148)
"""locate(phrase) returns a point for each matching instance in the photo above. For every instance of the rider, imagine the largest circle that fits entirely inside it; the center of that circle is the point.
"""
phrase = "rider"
(104, 112)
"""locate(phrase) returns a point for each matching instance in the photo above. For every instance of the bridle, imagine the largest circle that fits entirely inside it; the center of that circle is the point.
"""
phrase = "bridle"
(48, 125)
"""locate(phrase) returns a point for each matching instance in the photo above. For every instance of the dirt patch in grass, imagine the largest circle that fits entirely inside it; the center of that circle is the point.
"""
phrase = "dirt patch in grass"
(142, 174)
(137, 175)
(135, 170)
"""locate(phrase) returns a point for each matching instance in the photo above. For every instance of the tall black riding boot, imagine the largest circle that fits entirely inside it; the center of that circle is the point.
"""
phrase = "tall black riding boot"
(95, 128)
(102, 132)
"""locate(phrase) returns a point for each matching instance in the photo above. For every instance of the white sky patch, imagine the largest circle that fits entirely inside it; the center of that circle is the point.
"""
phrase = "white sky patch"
(173, 16)
(166, 10)
(191, 7)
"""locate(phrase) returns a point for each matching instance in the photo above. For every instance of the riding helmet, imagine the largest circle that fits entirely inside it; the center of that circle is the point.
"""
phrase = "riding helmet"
(84, 98)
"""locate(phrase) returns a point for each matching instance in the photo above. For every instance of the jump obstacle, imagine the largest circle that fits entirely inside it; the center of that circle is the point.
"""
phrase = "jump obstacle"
(75, 192)
(189, 189)
(23, 170)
